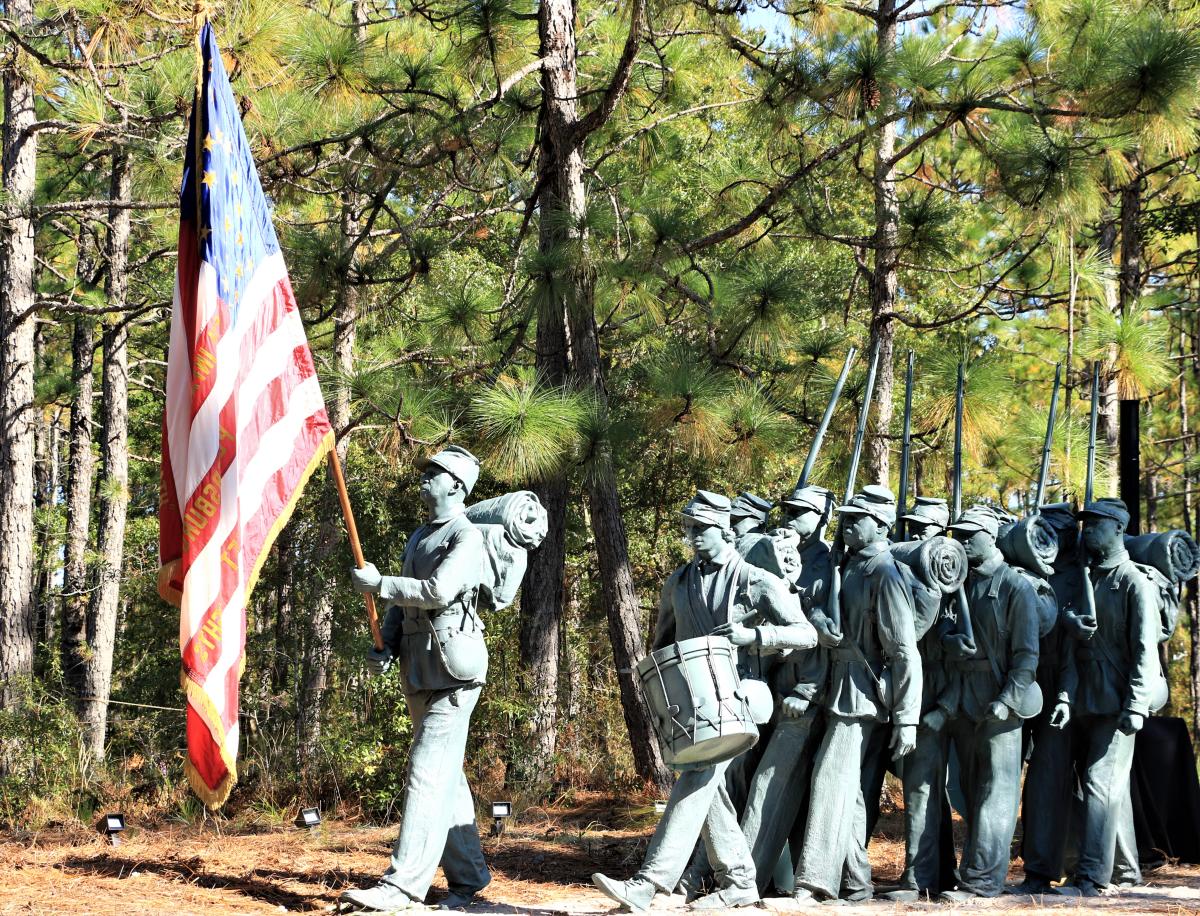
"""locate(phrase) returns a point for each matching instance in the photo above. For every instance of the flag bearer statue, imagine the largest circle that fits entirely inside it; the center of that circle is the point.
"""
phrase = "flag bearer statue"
(433, 631)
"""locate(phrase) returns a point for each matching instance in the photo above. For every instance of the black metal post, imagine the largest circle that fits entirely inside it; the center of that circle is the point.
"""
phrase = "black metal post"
(1130, 462)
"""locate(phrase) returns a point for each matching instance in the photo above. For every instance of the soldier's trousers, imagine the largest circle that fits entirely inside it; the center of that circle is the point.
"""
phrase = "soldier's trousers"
(928, 829)
(989, 754)
(439, 813)
(699, 806)
(835, 831)
(1107, 757)
(1046, 807)
(779, 790)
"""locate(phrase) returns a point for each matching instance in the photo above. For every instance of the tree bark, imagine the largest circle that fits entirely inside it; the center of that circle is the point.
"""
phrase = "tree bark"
(80, 469)
(885, 278)
(104, 605)
(318, 644)
(45, 493)
(19, 160)
(48, 487)
(561, 208)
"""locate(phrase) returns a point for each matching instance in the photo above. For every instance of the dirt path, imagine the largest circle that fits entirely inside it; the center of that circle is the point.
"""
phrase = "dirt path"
(540, 867)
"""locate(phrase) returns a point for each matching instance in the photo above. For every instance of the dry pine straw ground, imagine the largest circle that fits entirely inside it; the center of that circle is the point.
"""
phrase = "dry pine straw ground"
(540, 866)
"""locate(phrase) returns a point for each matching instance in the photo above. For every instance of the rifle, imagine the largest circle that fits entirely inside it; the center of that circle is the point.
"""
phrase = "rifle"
(1089, 597)
(819, 436)
(1044, 470)
(834, 607)
(964, 612)
(905, 449)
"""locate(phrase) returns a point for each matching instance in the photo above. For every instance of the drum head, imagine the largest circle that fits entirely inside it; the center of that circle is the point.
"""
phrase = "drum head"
(762, 703)
(714, 751)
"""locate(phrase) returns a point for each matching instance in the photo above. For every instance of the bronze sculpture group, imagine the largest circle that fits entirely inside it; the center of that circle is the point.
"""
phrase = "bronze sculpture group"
(788, 673)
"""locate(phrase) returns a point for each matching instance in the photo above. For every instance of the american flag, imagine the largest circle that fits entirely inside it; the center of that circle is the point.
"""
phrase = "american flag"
(245, 422)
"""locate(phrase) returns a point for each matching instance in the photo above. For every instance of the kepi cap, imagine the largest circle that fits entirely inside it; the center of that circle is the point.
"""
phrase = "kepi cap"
(708, 508)
(1106, 508)
(873, 500)
(454, 460)
(751, 506)
(977, 518)
(812, 498)
(929, 510)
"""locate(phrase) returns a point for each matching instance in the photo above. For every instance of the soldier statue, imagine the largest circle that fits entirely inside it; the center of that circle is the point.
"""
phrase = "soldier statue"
(696, 601)
(433, 630)
(1110, 689)
(778, 794)
(748, 519)
(929, 862)
(993, 679)
(875, 678)
(1046, 807)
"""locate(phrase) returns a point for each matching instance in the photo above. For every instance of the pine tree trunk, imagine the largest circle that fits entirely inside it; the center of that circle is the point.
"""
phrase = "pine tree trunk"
(318, 644)
(48, 550)
(1106, 419)
(45, 487)
(104, 605)
(19, 161)
(885, 279)
(1190, 594)
(1128, 289)
(563, 204)
(80, 470)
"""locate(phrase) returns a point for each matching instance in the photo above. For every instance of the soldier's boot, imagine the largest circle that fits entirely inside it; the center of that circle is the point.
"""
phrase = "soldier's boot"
(727, 898)
(634, 894)
(382, 898)
(1032, 886)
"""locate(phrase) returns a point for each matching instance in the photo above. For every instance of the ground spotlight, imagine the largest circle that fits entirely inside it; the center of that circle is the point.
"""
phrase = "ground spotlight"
(112, 825)
(309, 818)
(660, 807)
(500, 811)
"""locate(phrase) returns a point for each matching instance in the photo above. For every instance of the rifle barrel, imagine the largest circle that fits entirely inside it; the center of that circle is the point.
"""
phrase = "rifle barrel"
(861, 430)
(819, 436)
(1091, 453)
(1044, 470)
(905, 446)
(956, 489)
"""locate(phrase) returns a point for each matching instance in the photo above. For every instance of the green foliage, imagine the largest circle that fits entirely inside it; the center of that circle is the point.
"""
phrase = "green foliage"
(529, 431)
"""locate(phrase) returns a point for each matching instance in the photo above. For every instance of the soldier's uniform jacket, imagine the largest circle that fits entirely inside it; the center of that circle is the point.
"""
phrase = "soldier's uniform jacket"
(1004, 616)
(1056, 658)
(804, 675)
(877, 613)
(700, 595)
(1117, 669)
(432, 626)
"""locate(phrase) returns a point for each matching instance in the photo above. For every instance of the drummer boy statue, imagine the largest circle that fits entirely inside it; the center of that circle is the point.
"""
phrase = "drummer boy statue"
(711, 595)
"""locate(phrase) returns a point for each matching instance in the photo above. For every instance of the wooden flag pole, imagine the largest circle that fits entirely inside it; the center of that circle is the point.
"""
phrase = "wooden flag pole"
(335, 465)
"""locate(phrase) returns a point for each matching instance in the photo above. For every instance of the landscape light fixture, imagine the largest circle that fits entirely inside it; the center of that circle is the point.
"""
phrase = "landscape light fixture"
(309, 818)
(660, 807)
(500, 811)
(113, 825)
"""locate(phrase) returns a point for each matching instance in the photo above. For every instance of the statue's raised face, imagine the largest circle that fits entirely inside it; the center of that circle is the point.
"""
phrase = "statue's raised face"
(1101, 535)
(438, 485)
(743, 523)
(804, 522)
(707, 540)
(923, 531)
(978, 546)
(859, 530)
